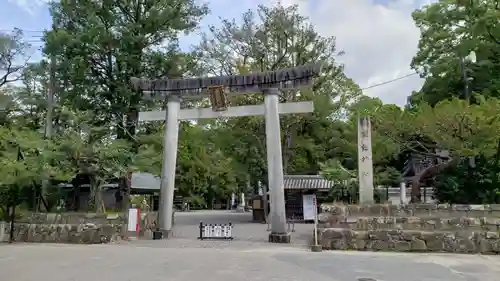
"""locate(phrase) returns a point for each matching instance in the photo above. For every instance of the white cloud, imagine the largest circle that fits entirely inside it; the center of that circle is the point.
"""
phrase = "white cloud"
(379, 41)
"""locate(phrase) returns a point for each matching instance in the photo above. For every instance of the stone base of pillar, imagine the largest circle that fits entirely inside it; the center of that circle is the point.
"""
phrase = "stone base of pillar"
(316, 248)
(167, 234)
(281, 238)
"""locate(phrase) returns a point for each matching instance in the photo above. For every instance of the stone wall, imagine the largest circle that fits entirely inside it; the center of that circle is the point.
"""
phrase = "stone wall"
(409, 241)
(456, 210)
(80, 228)
(412, 223)
(415, 227)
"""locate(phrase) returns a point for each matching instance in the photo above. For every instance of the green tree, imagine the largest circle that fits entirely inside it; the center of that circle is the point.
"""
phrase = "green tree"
(13, 56)
(343, 169)
(455, 126)
(465, 131)
(346, 182)
(265, 40)
(448, 33)
(100, 45)
(204, 172)
(27, 159)
(93, 152)
(397, 136)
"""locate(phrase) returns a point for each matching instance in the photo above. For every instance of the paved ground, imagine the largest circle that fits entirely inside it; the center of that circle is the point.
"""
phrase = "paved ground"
(246, 233)
(249, 258)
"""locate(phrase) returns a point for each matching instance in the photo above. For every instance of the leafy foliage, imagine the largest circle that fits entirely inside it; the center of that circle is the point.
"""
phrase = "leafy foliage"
(13, 56)
(27, 159)
(449, 32)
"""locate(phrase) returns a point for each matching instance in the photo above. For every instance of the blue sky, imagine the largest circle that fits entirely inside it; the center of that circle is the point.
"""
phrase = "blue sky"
(378, 36)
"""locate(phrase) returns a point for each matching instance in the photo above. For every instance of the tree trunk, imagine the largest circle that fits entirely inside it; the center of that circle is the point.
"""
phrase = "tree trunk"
(125, 187)
(95, 195)
(98, 200)
(495, 170)
(41, 199)
(286, 150)
(77, 196)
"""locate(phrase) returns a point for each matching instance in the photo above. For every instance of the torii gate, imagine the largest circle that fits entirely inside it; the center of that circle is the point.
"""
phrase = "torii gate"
(269, 83)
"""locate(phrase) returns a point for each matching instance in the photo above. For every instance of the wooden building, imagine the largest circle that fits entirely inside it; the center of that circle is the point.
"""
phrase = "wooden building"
(299, 192)
(77, 192)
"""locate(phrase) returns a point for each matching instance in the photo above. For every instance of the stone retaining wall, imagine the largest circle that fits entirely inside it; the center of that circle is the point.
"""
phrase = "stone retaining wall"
(413, 227)
(411, 223)
(441, 210)
(80, 228)
(87, 233)
(409, 241)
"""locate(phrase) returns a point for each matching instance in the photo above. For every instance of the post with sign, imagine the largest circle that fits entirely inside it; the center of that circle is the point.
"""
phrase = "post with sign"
(134, 218)
(316, 247)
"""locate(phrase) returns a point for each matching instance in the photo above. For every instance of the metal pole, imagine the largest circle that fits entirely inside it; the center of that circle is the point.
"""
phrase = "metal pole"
(315, 222)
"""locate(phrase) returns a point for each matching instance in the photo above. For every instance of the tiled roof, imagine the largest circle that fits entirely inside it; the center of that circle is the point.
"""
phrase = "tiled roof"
(306, 182)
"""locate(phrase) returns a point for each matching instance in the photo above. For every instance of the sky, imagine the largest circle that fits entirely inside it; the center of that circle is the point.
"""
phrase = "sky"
(378, 37)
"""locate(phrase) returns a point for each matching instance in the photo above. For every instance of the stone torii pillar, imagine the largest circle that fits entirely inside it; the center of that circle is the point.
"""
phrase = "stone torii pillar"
(275, 168)
(169, 161)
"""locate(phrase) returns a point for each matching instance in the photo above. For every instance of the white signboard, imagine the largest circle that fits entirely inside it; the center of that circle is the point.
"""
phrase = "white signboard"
(133, 220)
(217, 231)
(308, 206)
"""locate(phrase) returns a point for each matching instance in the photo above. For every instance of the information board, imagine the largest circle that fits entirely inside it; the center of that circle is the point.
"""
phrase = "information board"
(308, 206)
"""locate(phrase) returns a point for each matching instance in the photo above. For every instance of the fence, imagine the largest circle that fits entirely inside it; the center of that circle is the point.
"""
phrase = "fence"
(216, 231)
